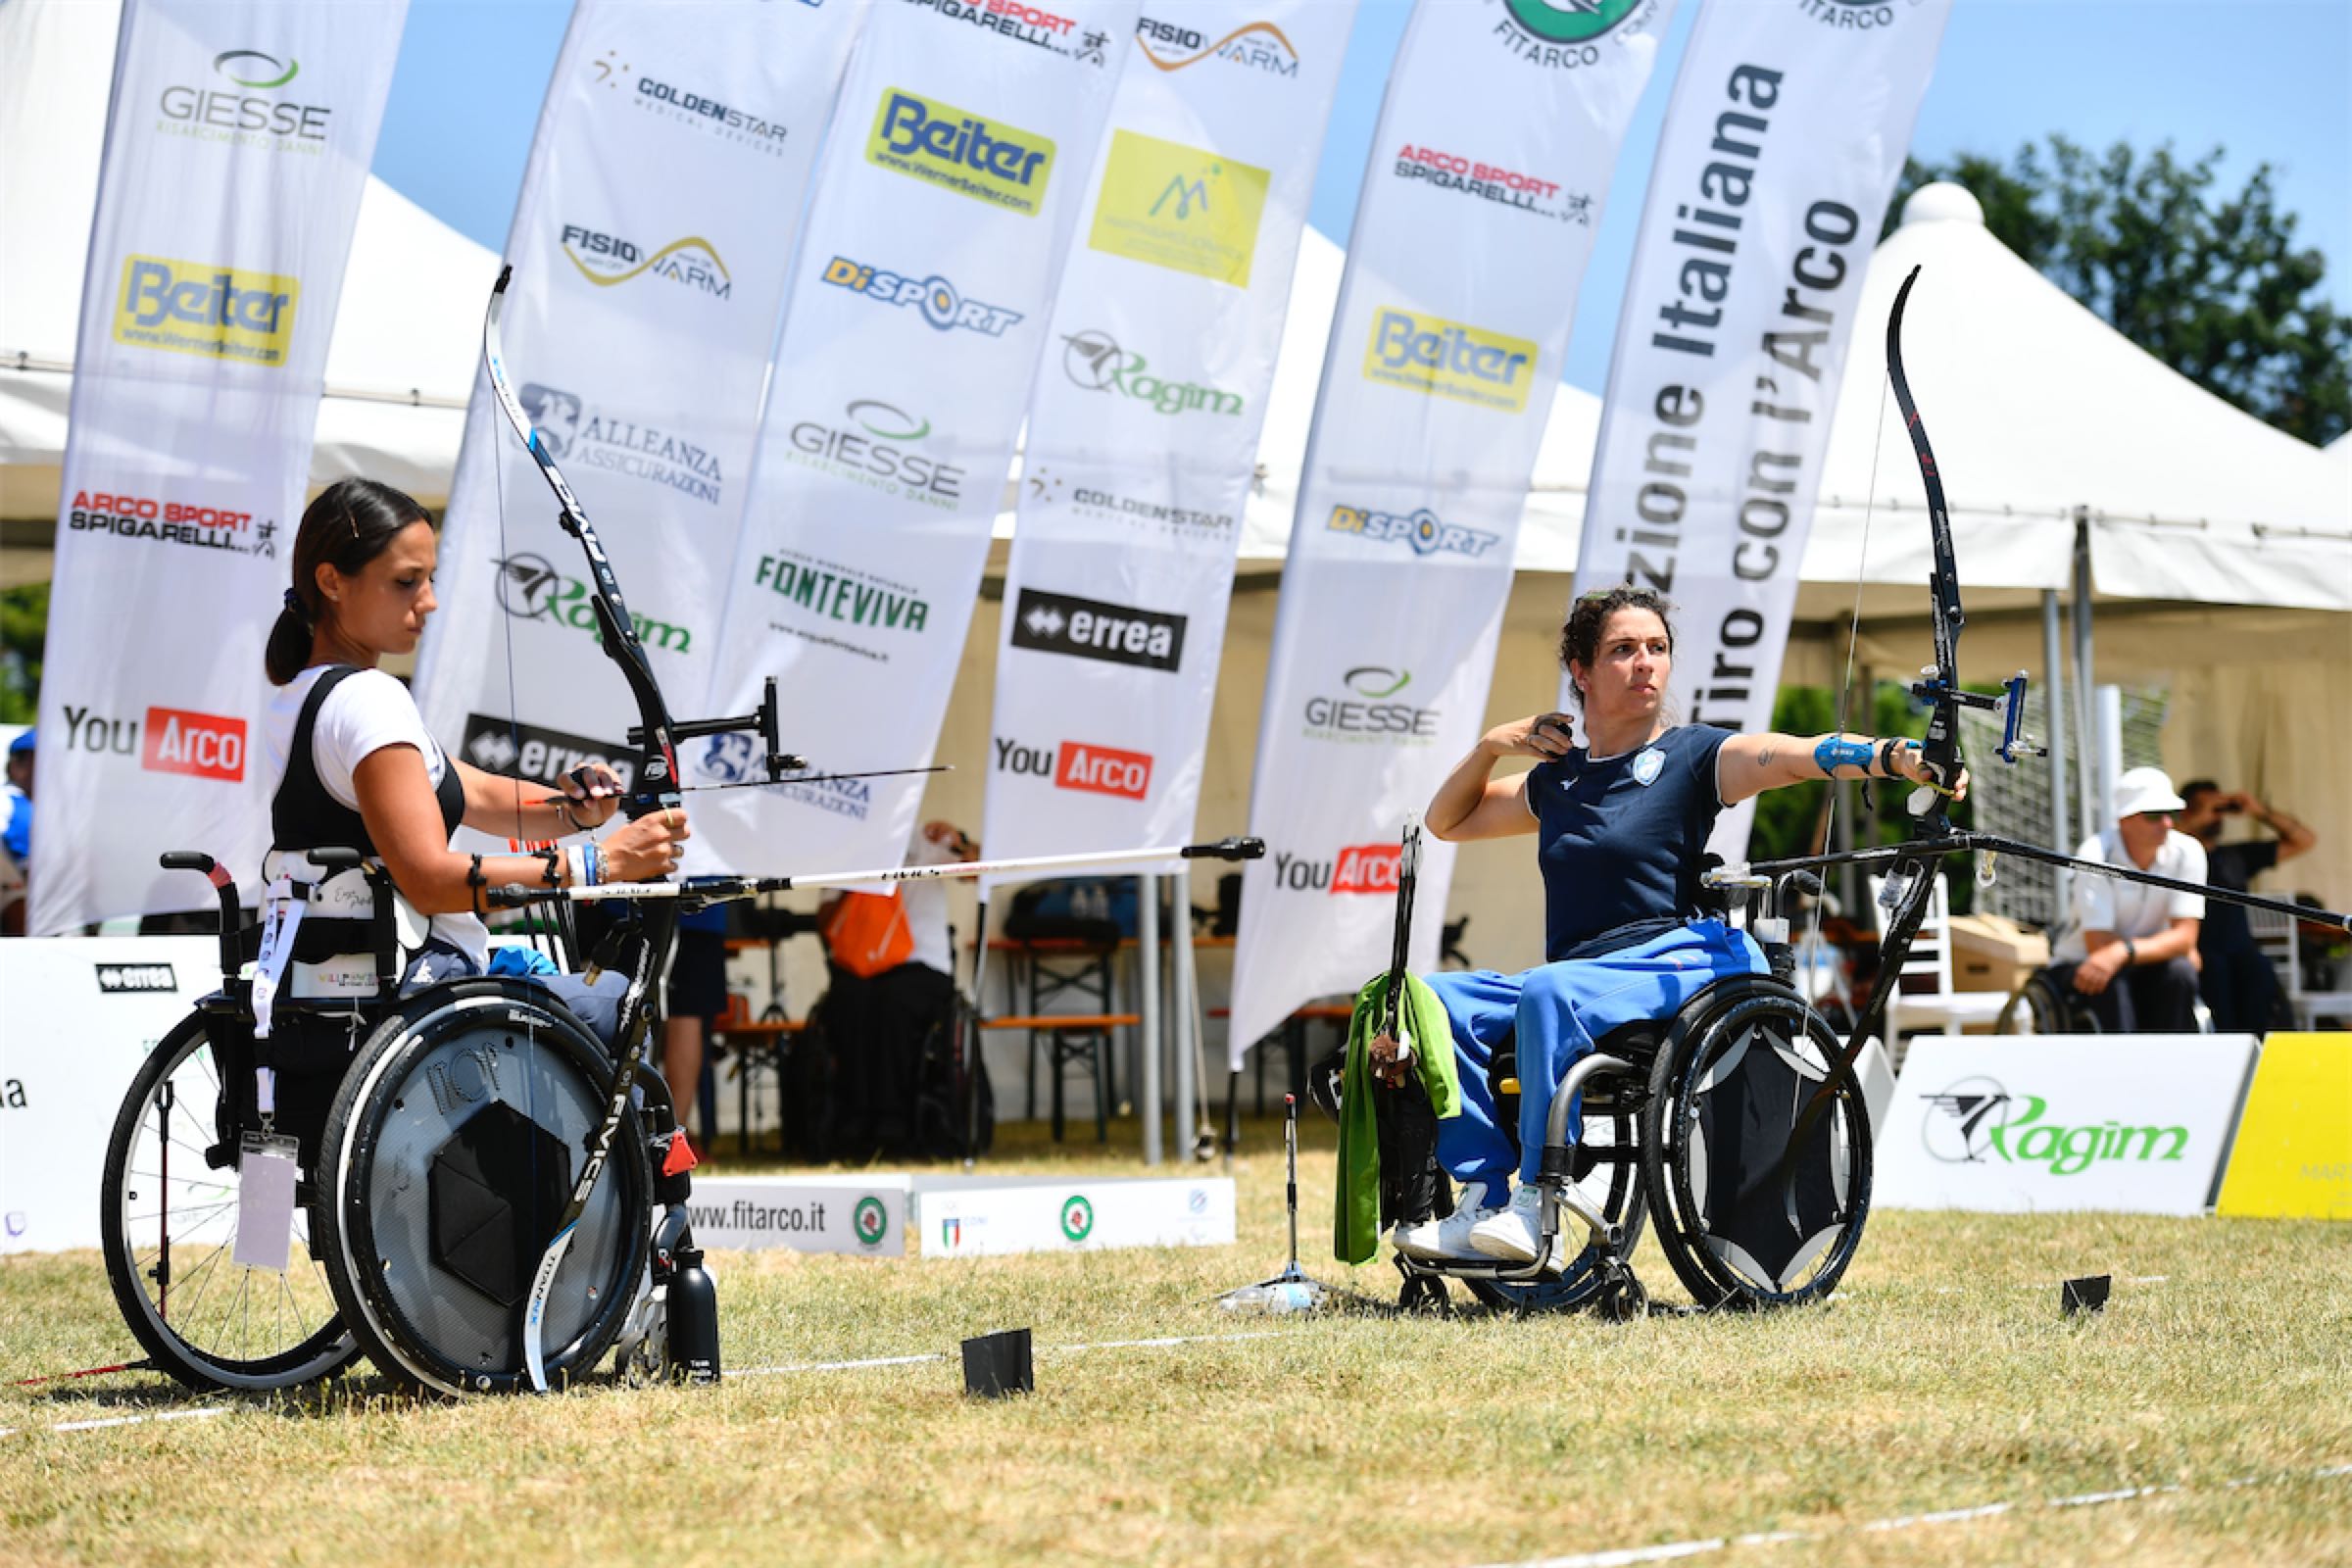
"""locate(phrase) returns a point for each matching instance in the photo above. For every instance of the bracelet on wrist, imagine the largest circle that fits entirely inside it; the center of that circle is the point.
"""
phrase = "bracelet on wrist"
(2130, 951)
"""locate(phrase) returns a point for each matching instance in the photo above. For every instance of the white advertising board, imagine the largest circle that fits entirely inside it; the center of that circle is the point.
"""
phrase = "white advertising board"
(2132, 1123)
(78, 1015)
(990, 1217)
(864, 1215)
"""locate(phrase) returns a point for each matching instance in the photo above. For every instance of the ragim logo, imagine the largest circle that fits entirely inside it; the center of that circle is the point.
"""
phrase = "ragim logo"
(959, 150)
(529, 588)
(1977, 1120)
(1095, 361)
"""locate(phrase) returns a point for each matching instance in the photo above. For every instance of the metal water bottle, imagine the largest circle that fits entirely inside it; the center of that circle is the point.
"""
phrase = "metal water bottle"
(693, 1314)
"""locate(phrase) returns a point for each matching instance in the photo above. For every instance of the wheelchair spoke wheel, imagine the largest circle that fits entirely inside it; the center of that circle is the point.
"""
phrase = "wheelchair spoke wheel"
(2041, 1007)
(1613, 1183)
(1758, 1167)
(169, 1219)
(450, 1153)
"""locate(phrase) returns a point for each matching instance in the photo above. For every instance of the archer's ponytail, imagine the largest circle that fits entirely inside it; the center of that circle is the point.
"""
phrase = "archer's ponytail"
(351, 523)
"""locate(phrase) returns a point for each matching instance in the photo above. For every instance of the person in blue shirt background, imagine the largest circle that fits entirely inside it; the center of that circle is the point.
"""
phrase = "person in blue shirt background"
(1621, 826)
(16, 834)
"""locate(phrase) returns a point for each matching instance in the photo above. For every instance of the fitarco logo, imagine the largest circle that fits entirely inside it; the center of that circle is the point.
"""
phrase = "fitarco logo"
(1567, 34)
(1978, 1121)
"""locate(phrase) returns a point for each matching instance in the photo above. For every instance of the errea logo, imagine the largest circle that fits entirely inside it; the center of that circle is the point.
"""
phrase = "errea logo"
(122, 979)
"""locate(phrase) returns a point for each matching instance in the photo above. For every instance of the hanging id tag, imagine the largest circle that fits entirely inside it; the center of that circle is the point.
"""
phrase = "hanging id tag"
(267, 1166)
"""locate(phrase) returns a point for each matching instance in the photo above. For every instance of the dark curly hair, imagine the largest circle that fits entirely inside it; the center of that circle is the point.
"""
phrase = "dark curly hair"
(351, 523)
(1580, 634)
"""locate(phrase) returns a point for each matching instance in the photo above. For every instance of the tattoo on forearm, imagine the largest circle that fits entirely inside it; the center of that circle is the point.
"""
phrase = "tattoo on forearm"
(1765, 754)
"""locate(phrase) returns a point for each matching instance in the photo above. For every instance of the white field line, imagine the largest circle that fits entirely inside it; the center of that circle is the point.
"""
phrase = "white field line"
(1670, 1551)
(865, 1364)
(1165, 1343)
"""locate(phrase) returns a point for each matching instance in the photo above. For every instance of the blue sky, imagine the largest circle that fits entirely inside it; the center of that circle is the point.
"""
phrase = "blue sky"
(2270, 81)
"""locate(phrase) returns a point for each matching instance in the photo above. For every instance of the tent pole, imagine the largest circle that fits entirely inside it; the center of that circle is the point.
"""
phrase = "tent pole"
(2053, 705)
(1146, 969)
(2086, 732)
(1180, 1033)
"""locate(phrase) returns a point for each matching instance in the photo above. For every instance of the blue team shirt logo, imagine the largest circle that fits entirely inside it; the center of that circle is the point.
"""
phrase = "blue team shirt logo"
(1648, 765)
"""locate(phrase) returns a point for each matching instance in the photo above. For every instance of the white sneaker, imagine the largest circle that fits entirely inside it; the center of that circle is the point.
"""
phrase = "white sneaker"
(1515, 1234)
(1447, 1239)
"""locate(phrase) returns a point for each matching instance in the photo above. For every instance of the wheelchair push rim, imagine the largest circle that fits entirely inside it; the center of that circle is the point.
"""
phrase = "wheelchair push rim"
(1617, 1189)
(1743, 1222)
(453, 1143)
(168, 1222)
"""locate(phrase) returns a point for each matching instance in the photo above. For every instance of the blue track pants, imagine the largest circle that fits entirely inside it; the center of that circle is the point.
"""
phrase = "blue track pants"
(1559, 1009)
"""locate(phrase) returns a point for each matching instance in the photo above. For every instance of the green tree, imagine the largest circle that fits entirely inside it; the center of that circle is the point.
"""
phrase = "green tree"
(23, 623)
(2208, 281)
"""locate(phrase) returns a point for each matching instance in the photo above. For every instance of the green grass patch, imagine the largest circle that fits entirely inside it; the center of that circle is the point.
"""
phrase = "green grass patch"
(1940, 1376)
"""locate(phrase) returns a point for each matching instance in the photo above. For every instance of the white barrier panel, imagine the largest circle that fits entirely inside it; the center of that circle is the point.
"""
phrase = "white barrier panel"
(78, 1015)
(990, 1217)
(2133, 1123)
(864, 1215)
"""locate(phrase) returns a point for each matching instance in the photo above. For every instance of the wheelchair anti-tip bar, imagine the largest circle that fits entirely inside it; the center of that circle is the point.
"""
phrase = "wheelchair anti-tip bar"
(718, 889)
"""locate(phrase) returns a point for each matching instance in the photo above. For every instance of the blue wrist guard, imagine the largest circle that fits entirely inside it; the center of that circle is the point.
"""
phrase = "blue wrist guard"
(1835, 752)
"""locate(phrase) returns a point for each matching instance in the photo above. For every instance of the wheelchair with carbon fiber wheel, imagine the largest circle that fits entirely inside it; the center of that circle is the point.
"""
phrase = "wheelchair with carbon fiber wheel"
(1728, 1128)
(432, 1141)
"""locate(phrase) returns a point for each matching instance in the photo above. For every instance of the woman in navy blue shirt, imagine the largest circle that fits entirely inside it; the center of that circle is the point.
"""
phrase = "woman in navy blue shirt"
(1620, 827)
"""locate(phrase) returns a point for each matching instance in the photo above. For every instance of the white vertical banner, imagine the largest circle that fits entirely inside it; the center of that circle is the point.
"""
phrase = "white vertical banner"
(1144, 425)
(1785, 136)
(1488, 172)
(954, 172)
(237, 145)
(650, 245)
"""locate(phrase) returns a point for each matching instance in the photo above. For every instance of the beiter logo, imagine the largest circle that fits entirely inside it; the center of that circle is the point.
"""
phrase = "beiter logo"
(1436, 357)
(1088, 628)
(199, 307)
(954, 150)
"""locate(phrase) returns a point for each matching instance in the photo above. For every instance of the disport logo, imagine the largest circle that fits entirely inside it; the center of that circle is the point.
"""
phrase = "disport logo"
(957, 150)
(609, 261)
(939, 301)
(1421, 529)
(1977, 1120)
(1430, 355)
(1178, 207)
(197, 308)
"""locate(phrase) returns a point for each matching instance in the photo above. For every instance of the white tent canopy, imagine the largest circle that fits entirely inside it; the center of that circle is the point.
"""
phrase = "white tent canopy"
(399, 367)
(2039, 409)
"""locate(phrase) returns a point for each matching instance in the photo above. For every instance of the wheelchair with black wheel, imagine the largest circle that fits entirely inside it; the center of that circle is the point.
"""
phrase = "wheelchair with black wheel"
(432, 1139)
(2041, 1005)
(1728, 1127)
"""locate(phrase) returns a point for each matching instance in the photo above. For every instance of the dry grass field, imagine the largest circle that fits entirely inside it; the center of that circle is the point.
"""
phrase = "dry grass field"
(1939, 1411)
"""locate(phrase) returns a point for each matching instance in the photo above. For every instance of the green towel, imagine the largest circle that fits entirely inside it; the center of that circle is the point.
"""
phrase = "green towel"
(1356, 1220)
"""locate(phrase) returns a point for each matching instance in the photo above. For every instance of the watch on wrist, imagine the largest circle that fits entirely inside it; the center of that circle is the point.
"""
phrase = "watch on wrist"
(2130, 951)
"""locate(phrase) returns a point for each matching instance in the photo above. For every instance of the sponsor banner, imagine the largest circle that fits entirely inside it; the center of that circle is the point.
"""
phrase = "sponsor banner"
(2137, 1123)
(1782, 146)
(657, 223)
(1489, 170)
(114, 998)
(1143, 423)
(2292, 1158)
(984, 1216)
(917, 308)
(237, 146)
(862, 1216)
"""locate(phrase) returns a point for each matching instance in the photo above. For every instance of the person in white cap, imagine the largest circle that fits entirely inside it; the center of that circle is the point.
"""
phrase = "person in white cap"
(2133, 949)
